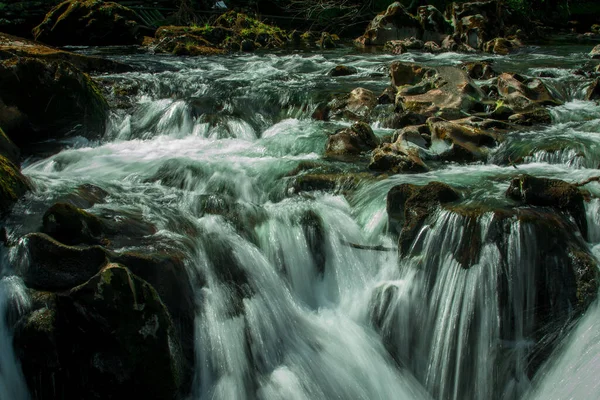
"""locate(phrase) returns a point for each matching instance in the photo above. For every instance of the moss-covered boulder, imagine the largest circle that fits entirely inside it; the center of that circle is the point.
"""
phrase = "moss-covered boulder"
(89, 23)
(544, 192)
(11, 46)
(13, 184)
(350, 142)
(52, 266)
(109, 336)
(43, 100)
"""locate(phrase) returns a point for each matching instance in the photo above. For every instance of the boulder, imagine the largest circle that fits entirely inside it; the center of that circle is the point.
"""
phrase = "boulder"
(595, 52)
(89, 23)
(327, 41)
(479, 69)
(11, 46)
(435, 26)
(357, 105)
(403, 73)
(408, 207)
(502, 46)
(397, 158)
(52, 266)
(529, 118)
(342, 70)
(524, 93)
(447, 92)
(42, 100)
(8, 149)
(473, 140)
(13, 184)
(476, 23)
(544, 192)
(85, 196)
(109, 336)
(593, 91)
(403, 45)
(394, 23)
(72, 226)
(351, 142)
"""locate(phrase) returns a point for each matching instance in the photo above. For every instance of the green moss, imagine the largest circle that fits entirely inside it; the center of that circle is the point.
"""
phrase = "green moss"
(12, 184)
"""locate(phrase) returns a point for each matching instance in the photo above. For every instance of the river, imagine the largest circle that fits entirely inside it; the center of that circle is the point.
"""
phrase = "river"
(234, 128)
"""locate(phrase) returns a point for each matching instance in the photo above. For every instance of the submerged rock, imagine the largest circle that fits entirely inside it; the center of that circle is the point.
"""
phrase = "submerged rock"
(342, 70)
(89, 23)
(42, 100)
(110, 335)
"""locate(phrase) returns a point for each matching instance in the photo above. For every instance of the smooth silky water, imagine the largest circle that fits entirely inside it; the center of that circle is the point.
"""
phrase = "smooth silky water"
(236, 126)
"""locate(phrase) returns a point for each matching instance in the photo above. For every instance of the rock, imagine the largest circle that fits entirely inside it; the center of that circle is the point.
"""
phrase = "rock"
(89, 23)
(388, 96)
(8, 149)
(403, 119)
(342, 70)
(446, 91)
(432, 47)
(479, 69)
(11, 46)
(418, 135)
(435, 26)
(86, 196)
(337, 182)
(408, 206)
(51, 266)
(595, 52)
(502, 46)
(393, 24)
(473, 140)
(449, 43)
(314, 233)
(476, 23)
(593, 91)
(349, 142)
(327, 41)
(543, 192)
(523, 93)
(357, 106)
(71, 225)
(43, 100)
(110, 335)
(535, 117)
(403, 74)
(397, 158)
(13, 184)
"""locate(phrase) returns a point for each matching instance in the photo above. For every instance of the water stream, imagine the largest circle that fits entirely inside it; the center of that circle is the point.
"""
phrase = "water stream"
(301, 325)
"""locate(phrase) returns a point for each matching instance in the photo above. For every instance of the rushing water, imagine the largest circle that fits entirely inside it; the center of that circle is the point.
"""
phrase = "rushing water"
(236, 127)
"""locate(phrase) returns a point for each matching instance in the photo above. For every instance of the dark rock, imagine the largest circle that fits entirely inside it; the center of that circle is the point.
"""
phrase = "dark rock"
(342, 70)
(393, 24)
(86, 196)
(247, 45)
(51, 266)
(593, 91)
(535, 117)
(397, 158)
(432, 47)
(402, 45)
(403, 74)
(595, 52)
(8, 149)
(71, 225)
(12, 46)
(475, 141)
(409, 206)
(314, 233)
(544, 192)
(327, 41)
(502, 46)
(403, 119)
(479, 69)
(108, 336)
(89, 23)
(13, 184)
(42, 100)
(351, 141)
(435, 26)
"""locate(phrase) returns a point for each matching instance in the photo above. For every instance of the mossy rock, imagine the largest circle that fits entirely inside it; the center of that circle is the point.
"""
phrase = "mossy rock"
(43, 100)
(8, 149)
(108, 336)
(13, 184)
(53, 266)
(89, 23)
